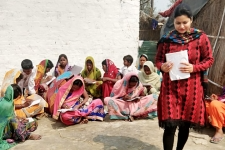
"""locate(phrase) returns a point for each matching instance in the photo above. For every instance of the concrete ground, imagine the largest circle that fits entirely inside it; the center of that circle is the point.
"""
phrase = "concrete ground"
(111, 135)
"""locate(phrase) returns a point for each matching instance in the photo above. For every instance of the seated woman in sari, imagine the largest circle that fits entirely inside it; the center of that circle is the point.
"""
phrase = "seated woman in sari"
(54, 88)
(215, 108)
(121, 105)
(62, 65)
(68, 98)
(149, 78)
(22, 108)
(12, 128)
(110, 76)
(92, 78)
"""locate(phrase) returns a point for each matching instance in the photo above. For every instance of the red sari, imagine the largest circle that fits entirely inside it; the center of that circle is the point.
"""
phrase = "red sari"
(111, 72)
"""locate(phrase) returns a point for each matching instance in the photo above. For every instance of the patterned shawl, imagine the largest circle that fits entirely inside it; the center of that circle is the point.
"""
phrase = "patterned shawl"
(175, 37)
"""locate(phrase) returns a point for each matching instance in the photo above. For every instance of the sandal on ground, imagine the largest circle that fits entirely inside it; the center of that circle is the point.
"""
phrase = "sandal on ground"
(216, 140)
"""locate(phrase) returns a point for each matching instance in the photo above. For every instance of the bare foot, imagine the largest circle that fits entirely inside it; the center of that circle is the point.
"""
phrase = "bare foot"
(218, 136)
(84, 121)
(34, 137)
(130, 118)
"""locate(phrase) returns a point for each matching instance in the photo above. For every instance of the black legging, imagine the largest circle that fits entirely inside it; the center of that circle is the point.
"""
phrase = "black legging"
(168, 137)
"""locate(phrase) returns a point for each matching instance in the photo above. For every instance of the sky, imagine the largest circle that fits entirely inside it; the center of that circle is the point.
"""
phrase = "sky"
(161, 5)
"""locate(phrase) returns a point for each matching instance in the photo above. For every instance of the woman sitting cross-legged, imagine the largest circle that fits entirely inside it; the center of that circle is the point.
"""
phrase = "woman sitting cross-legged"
(68, 107)
(12, 128)
(121, 105)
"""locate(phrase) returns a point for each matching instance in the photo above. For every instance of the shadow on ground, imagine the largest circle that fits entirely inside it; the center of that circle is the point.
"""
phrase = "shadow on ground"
(123, 143)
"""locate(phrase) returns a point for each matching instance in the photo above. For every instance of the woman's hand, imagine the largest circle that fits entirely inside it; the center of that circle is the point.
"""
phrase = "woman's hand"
(65, 106)
(187, 68)
(27, 103)
(167, 66)
(126, 97)
(49, 78)
(105, 78)
(77, 107)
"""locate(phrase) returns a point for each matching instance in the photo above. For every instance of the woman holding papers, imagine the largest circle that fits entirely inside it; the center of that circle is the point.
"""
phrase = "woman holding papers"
(127, 99)
(149, 78)
(22, 105)
(13, 128)
(92, 78)
(70, 109)
(181, 101)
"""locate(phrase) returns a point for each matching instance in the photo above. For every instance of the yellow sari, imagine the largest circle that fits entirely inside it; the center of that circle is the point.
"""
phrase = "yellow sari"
(10, 78)
(94, 74)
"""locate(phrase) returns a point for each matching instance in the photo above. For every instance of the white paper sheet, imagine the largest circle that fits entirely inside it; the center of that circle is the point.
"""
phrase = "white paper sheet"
(53, 78)
(35, 102)
(65, 110)
(176, 58)
(76, 69)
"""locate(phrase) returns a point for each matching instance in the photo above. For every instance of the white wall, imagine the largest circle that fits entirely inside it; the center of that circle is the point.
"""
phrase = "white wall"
(40, 29)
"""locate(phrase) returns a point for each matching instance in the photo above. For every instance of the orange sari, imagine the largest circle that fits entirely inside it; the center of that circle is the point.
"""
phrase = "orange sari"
(41, 68)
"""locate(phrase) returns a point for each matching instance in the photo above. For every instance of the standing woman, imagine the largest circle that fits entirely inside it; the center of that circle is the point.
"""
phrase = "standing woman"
(181, 102)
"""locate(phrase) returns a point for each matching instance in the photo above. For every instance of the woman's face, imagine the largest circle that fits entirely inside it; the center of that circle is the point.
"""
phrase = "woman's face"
(142, 60)
(75, 88)
(147, 70)
(89, 66)
(182, 23)
(132, 84)
(63, 61)
(104, 68)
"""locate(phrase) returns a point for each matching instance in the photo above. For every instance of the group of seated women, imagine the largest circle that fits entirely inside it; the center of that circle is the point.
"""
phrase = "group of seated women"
(73, 98)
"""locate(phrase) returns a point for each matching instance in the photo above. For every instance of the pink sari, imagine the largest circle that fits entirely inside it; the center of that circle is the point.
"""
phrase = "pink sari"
(94, 111)
(111, 72)
(121, 109)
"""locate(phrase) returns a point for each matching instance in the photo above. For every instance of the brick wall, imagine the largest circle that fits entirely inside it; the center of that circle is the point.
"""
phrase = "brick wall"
(40, 29)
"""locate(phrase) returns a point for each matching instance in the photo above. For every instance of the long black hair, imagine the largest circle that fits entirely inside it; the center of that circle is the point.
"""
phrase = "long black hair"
(78, 82)
(16, 90)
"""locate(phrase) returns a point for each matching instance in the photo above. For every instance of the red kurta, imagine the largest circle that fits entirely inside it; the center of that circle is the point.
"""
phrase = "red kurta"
(182, 101)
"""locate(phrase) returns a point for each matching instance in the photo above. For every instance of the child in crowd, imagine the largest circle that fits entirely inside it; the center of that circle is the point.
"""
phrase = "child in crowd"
(128, 67)
(34, 76)
(62, 65)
